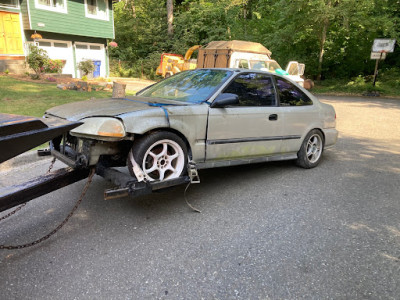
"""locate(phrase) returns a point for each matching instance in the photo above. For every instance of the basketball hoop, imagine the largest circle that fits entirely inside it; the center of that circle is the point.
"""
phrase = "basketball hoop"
(383, 45)
(379, 50)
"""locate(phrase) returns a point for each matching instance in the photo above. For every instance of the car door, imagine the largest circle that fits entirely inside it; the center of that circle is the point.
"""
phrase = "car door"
(299, 113)
(250, 129)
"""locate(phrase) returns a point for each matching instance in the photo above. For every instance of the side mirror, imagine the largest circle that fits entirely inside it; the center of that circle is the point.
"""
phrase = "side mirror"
(224, 100)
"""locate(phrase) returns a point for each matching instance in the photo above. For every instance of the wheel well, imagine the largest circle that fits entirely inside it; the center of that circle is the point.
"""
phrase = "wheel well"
(322, 132)
(184, 139)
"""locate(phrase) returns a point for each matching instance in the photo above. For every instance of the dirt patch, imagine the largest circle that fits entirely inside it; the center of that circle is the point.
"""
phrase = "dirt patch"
(49, 79)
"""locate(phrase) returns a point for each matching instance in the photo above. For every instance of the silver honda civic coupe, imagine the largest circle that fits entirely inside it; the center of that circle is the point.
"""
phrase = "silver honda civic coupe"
(205, 117)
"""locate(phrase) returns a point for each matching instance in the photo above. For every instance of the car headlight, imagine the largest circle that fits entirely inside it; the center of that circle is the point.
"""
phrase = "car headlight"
(99, 126)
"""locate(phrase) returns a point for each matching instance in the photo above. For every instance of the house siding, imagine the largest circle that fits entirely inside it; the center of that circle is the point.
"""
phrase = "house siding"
(24, 13)
(74, 22)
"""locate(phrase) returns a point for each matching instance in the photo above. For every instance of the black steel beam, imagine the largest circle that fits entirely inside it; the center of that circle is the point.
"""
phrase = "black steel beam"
(22, 133)
(39, 186)
(129, 186)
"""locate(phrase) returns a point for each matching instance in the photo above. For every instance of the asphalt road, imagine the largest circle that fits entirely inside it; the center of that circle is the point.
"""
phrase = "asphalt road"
(266, 231)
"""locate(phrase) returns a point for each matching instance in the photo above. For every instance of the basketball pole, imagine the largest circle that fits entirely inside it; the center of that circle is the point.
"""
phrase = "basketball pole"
(376, 69)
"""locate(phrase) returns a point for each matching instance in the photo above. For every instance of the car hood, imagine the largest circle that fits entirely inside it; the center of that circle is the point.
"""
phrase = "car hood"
(99, 107)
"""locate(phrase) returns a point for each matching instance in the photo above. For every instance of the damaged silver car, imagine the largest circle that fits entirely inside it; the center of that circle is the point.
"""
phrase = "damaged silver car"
(208, 117)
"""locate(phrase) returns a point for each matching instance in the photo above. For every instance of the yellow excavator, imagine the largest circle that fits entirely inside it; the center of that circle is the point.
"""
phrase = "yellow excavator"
(171, 64)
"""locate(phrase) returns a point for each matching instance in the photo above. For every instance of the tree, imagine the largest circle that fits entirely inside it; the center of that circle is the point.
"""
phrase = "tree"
(170, 17)
(332, 37)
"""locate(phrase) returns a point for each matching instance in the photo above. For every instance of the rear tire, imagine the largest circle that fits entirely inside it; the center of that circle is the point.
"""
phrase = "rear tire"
(311, 149)
(161, 155)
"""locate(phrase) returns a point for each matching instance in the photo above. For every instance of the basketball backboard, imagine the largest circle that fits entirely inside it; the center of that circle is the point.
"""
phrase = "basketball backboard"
(383, 45)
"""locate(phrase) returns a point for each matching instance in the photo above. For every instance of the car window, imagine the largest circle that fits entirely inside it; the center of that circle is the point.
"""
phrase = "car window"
(242, 63)
(189, 86)
(290, 95)
(293, 68)
(264, 65)
(253, 89)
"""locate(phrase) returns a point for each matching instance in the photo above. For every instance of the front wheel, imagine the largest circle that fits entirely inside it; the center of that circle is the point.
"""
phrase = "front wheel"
(310, 152)
(161, 155)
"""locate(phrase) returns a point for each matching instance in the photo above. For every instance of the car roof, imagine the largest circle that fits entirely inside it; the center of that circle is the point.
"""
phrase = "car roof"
(242, 70)
(239, 70)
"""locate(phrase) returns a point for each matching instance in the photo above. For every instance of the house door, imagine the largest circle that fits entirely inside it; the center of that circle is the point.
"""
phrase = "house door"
(10, 34)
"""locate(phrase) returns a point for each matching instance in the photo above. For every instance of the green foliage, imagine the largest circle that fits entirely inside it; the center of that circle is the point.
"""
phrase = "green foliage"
(37, 60)
(388, 84)
(86, 66)
(140, 68)
(332, 37)
(7, 71)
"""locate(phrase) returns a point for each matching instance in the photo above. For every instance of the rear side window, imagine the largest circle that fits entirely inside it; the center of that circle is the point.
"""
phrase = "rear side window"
(253, 89)
(290, 95)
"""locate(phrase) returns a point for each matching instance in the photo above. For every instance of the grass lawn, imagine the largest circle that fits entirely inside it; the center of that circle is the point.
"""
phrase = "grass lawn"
(33, 99)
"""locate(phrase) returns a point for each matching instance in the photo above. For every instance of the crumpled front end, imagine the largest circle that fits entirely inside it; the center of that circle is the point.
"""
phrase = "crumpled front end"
(97, 138)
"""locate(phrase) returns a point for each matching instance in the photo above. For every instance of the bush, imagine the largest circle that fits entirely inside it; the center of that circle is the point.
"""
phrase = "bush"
(37, 59)
(86, 66)
(141, 68)
(54, 66)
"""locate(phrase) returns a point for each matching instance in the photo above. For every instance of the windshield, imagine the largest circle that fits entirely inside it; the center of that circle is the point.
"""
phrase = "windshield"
(267, 65)
(190, 86)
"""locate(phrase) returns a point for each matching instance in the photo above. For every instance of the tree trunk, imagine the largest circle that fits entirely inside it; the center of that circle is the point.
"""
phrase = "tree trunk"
(170, 17)
(133, 9)
(82, 86)
(118, 90)
(322, 48)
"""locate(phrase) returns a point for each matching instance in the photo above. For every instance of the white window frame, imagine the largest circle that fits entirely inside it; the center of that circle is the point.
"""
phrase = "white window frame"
(69, 43)
(8, 6)
(63, 10)
(90, 44)
(107, 18)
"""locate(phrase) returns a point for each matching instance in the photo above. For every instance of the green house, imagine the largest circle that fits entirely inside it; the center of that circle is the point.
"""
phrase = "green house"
(70, 30)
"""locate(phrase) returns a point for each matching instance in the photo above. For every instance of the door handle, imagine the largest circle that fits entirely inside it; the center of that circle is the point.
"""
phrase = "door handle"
(273, 117)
